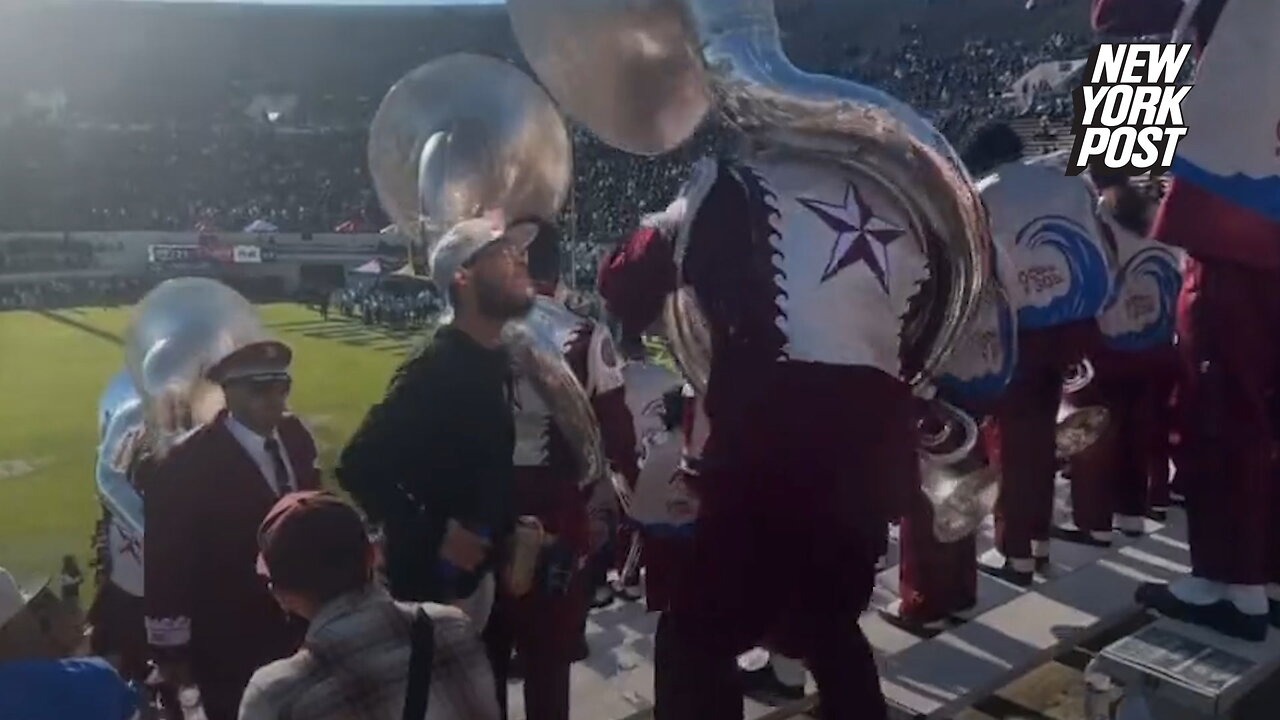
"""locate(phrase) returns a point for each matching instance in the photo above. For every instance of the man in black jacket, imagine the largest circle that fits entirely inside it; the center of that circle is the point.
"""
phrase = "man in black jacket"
(432, 462)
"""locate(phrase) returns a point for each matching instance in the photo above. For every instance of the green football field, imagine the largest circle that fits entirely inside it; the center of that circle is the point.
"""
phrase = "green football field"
(53, 368)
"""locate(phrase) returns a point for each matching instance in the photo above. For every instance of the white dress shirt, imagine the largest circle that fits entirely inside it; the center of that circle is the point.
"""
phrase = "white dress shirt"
(256, 446)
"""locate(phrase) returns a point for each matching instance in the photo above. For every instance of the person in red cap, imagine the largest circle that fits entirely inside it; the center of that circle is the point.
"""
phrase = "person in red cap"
(210, 620)
(546, 625)
(1228, 319)
(365, 655)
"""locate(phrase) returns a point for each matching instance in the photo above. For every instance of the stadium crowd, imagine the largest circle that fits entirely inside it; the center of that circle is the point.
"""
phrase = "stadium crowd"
(303, 169)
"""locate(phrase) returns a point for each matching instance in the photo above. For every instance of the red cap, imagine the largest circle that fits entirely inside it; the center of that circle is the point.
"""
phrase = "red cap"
(313, 542)
(635, 279)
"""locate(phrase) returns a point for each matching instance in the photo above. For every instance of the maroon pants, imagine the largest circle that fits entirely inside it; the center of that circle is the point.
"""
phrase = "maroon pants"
(1130, 462)
(1026, 418)
(547, 630)
(935, 579)
(1229, 342)
(792, 518)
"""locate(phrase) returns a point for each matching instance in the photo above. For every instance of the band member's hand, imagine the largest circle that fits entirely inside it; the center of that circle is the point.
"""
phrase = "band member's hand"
(463, 548)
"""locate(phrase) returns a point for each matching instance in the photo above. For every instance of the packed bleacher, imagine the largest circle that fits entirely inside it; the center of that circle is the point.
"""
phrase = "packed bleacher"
(280, 137)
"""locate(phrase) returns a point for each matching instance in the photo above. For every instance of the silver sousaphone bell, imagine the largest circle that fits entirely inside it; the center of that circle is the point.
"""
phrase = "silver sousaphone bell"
(466, 136)
(177, 332)
(642, 74)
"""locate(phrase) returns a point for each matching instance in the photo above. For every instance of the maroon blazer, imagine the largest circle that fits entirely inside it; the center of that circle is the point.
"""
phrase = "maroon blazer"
(205, 602)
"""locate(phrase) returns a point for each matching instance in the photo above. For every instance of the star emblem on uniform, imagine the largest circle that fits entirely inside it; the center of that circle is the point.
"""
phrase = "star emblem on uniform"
(856, 226)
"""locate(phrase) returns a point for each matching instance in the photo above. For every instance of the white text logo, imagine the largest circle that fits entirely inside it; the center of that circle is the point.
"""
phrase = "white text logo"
(1129, 108)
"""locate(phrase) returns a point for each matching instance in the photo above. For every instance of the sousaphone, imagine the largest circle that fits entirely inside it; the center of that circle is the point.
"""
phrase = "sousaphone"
(177, 331)
(643, 75)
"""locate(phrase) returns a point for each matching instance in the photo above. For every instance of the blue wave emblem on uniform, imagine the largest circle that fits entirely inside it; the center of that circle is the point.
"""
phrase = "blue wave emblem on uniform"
(1161, 267)
(989, 385)
(1088, 275)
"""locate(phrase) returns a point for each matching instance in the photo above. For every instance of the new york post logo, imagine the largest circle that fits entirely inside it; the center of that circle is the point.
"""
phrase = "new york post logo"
(1128, 109)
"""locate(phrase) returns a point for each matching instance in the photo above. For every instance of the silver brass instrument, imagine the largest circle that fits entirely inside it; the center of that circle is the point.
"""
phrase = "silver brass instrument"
(960, 482)
(1079, 427)
(118, 391)
(537, 344)
(642, 74)
(177, 332)
(639, 73)
(466, 136)
(961, 488)
(122, 438)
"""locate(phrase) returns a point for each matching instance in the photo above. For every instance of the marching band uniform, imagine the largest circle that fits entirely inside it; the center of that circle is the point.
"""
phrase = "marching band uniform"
(117, 612)
(1228, 318)
(661, 502)
(206, 606)
(1045, 221)
(798, 480)
(546, 625)
(1135, 368)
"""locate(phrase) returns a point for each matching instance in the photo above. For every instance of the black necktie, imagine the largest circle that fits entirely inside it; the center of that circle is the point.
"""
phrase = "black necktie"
(277, 463)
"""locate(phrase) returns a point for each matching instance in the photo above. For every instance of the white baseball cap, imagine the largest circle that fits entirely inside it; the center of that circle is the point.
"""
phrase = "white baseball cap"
(12, 599)
(464, 240)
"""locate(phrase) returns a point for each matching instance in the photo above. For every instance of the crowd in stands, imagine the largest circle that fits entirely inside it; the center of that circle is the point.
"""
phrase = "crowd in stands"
(24, 255)
(217, 167)
(168, 177)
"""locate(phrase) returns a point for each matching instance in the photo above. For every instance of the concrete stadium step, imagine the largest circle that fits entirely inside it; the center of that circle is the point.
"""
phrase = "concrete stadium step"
(1087, 591)
(938, 677)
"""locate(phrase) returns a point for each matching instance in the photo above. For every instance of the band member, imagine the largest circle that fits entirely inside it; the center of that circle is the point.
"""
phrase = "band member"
(939, 580)
(1046, 222)
(432, 462)
(210, 620)
(117, 612)
(671, 429)
(1228, 317)
(546, 625)
(1134, 370)
(786, 483)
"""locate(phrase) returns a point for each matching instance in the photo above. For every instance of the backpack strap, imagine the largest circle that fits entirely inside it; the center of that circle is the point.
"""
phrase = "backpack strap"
(421, 661)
